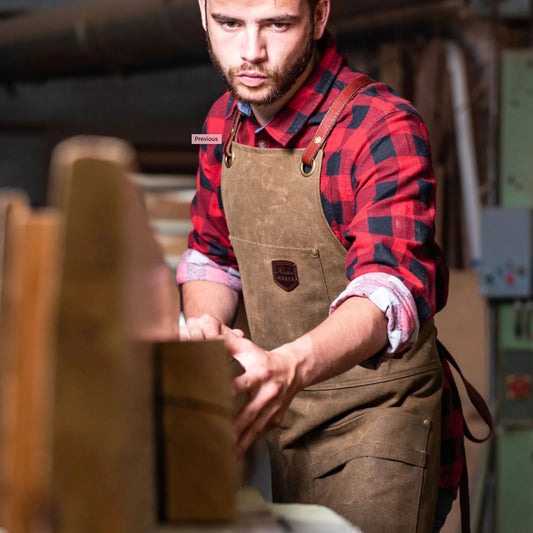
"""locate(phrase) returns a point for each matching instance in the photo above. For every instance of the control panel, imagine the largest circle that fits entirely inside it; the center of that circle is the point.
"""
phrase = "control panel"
(507, 252)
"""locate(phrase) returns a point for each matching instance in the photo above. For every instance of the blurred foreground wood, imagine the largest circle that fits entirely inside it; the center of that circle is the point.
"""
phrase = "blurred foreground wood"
(30, 244)
(99, 422)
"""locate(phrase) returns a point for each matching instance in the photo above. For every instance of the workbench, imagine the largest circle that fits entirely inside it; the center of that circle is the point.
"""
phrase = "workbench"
(258, 516)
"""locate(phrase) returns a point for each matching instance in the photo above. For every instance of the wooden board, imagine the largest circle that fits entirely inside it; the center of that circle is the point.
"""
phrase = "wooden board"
(30, 274)
(103, 455)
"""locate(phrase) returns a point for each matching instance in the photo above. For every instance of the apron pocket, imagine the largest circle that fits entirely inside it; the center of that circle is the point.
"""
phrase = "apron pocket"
(284, 291)
(371, 468)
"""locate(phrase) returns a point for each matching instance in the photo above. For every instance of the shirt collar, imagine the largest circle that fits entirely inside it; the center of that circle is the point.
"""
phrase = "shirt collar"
(292, 117)
(246, 109)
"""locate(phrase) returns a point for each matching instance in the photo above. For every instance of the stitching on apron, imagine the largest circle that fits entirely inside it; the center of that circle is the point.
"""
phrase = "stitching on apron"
(373, 450)
(379, 379)
(265, 245)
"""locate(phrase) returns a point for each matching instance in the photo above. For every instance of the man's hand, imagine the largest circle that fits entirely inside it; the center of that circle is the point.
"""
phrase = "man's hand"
(206, 327)
(270, 379)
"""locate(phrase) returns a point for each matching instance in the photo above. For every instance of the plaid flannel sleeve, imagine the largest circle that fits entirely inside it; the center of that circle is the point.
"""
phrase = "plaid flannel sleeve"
(195, 266)
(391, 296)
(392, 229)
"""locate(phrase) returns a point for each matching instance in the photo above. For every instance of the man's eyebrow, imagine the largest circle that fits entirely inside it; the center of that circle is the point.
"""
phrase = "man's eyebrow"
(219, 17)
(282, 18)
(223, 18)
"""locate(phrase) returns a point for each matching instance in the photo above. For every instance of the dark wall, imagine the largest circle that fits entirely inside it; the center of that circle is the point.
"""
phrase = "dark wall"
(158, 108)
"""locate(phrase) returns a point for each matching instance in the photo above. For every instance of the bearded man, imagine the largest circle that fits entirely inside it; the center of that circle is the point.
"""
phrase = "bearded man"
(319, 211)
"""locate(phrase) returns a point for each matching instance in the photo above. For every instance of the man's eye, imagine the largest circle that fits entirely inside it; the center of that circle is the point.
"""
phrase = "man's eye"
(229, 24)
(280, 25)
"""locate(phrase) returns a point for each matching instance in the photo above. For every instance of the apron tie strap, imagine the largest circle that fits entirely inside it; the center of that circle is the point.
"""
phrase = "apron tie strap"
(473, 395)
(482, 409)
(329, 121)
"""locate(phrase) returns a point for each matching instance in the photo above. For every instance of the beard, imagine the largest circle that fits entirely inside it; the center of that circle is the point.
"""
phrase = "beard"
(282, 79)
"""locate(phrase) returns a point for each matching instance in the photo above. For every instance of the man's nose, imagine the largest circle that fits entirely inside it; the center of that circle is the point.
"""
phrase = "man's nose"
(252, 47)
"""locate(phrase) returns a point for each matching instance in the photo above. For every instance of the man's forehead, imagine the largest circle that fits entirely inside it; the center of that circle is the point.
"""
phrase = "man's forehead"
(243, 6)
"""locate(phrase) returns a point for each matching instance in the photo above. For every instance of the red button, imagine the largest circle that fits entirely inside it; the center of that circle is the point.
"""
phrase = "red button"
(510, 279)
(518, 386)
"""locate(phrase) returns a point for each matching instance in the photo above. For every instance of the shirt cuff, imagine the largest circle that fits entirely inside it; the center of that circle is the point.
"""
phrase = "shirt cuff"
(393, 298)
(195, 266)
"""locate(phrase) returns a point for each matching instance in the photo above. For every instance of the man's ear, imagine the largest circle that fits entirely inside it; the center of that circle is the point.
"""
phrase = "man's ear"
(321, 15)
(201, 4)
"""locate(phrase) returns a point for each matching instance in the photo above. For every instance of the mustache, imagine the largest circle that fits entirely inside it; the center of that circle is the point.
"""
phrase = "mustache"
(249, 67)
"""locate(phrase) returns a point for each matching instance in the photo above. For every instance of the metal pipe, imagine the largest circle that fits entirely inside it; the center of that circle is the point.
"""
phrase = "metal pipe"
(465, 149)
(101, 36)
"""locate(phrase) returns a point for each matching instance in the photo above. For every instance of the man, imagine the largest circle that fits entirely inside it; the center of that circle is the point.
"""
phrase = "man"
(329, 236)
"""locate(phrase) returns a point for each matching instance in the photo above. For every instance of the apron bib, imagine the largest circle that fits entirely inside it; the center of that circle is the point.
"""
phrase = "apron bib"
(367, 442)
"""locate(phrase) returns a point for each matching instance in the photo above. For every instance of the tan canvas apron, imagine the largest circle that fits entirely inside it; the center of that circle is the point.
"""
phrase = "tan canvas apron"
(367, 442)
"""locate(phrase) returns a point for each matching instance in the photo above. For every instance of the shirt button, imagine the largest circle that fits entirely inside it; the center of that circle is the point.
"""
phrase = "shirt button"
(263, 143)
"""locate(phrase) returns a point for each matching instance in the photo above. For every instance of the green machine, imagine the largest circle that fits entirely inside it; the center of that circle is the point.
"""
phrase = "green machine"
(506, 278)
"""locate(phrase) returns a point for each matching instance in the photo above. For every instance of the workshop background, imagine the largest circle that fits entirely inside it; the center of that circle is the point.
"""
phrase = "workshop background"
(138, 70)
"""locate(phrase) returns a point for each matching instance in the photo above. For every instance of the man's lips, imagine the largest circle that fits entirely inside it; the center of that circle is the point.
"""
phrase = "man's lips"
(251, 79)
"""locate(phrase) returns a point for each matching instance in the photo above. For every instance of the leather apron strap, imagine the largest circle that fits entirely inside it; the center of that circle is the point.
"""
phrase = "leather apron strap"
(228, 152)
(326, 126)
(482, 409)
(473, 395)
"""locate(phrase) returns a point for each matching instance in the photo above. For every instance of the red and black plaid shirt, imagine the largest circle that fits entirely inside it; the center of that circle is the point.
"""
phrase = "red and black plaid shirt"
(377, 190)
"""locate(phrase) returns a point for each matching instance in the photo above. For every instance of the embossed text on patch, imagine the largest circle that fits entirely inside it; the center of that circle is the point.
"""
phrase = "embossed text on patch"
(285, 274)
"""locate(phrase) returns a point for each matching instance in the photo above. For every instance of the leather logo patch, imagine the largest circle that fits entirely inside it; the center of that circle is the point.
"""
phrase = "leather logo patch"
(285, 274)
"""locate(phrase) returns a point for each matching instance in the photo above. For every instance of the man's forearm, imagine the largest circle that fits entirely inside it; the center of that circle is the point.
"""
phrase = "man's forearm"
(209, 297)
(353, 333)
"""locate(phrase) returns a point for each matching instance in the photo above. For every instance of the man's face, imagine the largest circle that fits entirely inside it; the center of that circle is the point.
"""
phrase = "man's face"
(262, 48)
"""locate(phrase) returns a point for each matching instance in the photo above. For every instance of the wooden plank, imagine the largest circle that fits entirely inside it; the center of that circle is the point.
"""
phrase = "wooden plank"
(14, 211)
(103, 457)
(31, 446)
(31, 273)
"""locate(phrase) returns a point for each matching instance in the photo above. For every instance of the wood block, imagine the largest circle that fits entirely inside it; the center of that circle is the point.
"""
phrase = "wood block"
(199, 478)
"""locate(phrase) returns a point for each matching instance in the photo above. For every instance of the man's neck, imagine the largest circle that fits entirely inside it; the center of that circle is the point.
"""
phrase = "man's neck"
(265, 113)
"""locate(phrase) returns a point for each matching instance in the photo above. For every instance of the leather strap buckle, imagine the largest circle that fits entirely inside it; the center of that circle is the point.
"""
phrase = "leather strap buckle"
(329, 121)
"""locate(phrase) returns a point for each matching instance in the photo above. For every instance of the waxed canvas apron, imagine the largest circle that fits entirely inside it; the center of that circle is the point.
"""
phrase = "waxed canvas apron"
(367, 442)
